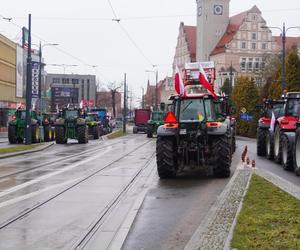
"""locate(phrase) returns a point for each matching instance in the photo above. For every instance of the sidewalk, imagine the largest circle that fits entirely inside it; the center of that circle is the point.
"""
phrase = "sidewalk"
(3, 134)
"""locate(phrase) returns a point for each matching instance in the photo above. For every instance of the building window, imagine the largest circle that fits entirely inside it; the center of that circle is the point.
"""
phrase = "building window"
(65, 80)
(254, 36)
(254, 17)
(243, 64)
(250, 64)
(55, 80)
(243, 45)
(264, 46)
(256, 64)
(253, 45)
(75, 81)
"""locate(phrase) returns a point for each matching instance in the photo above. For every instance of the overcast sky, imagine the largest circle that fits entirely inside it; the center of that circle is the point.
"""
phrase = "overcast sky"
(147, 35)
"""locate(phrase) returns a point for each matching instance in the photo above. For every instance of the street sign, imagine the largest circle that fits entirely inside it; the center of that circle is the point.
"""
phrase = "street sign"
(244, 110)
(247, 117)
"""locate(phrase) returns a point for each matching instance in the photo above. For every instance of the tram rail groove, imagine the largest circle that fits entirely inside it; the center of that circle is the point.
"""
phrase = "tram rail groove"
(28, 211)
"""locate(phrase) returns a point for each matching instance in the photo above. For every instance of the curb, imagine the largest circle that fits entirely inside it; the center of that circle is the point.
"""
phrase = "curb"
(38, 149)
(215, 231)
(283, 184)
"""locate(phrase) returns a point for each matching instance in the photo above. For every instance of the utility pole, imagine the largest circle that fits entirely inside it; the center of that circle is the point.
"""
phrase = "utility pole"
(125, 105)
(143, 101)
(156, 90)
(28, 87)
(283, 85)
(40, 77)
(231, 79)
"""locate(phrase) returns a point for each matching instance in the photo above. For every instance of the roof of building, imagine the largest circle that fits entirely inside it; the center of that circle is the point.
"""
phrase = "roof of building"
(290, 41)
(235, 23)
(191, 32)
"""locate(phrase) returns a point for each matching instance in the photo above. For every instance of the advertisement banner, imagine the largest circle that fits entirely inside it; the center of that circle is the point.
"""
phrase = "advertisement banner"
(19, 71)
(192, 70)
(35, 79)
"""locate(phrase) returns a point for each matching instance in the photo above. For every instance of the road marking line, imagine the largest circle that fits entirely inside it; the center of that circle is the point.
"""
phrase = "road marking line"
(44, 177)
(30, 195)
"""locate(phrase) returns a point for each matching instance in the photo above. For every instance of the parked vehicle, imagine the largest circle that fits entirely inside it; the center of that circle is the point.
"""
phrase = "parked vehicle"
(141, 118)
(263, 140)
(284, 132)
(16, 127)
(157, 119)
(71, 125)
(104, 119)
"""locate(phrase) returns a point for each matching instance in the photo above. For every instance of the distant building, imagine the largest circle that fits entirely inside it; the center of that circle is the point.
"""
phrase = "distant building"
(152, 92)
(11, 79)
(167, 89)
(104, 100)
(238, 45)
(71, 88)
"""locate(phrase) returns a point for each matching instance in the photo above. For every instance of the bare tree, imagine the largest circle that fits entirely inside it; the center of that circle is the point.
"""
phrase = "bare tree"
(113, 87)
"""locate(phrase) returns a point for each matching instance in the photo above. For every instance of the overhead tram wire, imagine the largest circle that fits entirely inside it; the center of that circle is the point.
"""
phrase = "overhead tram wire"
(59, 49)
(128, 35)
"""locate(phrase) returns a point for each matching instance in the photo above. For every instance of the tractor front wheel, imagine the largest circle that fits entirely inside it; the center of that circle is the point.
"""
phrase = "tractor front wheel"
(261, 141)
(166, 157)
(96, 132)
(35, 133)
(47, 133)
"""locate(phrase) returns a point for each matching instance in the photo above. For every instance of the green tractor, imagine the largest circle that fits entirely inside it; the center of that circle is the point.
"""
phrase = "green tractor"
(95, 127)
(71, 125)
(16, 127)
(157, 119)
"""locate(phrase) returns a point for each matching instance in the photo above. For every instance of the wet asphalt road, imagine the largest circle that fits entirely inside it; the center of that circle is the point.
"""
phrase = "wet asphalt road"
(87, 196)
(54, 199)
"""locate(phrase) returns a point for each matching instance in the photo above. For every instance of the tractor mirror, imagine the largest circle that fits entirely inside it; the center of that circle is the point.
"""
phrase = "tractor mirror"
(162, 106)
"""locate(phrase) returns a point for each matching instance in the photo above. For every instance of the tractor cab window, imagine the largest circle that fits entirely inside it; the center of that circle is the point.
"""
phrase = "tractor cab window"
(157, 116)
(293, 107)
(196, 110)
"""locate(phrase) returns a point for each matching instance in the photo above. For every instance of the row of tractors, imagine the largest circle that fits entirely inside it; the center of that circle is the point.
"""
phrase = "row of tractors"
(278, 133)
(69, 123)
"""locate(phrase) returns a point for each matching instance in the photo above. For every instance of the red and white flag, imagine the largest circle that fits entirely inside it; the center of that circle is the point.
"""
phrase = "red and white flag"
(179, 86)
(204, 82)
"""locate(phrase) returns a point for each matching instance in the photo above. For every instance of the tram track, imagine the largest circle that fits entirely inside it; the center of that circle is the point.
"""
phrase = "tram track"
(28, 211)
(61, 160)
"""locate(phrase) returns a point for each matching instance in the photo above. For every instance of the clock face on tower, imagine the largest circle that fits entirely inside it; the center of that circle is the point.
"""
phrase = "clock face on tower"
(218, 9)
(200, 11)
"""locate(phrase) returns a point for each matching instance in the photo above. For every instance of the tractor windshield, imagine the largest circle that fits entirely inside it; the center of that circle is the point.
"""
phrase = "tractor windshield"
(71, 114)
(197, 110)
(157, 116)
(293, 107)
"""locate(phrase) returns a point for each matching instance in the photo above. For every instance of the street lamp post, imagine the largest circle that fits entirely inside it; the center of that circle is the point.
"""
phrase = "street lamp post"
(283, 31)
(40, 69)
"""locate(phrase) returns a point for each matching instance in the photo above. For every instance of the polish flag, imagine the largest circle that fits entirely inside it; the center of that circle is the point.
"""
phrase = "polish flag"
(204, 82)
(179, 86)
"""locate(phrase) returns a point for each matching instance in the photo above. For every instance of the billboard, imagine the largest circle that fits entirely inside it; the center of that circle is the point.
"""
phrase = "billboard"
(62, 96)
(19, 71)
(192, 70)
(35, 80)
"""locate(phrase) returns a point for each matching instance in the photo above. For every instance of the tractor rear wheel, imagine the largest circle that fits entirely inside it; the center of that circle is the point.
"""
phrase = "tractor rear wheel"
(34, 133)
(82, 133)
(221, 151)
(261, 141)
(166, 159)
(149, 133)
(60, 135)
(47, 133)
(297, 153)
(12, 134)
(135, 130)
(287, 153)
